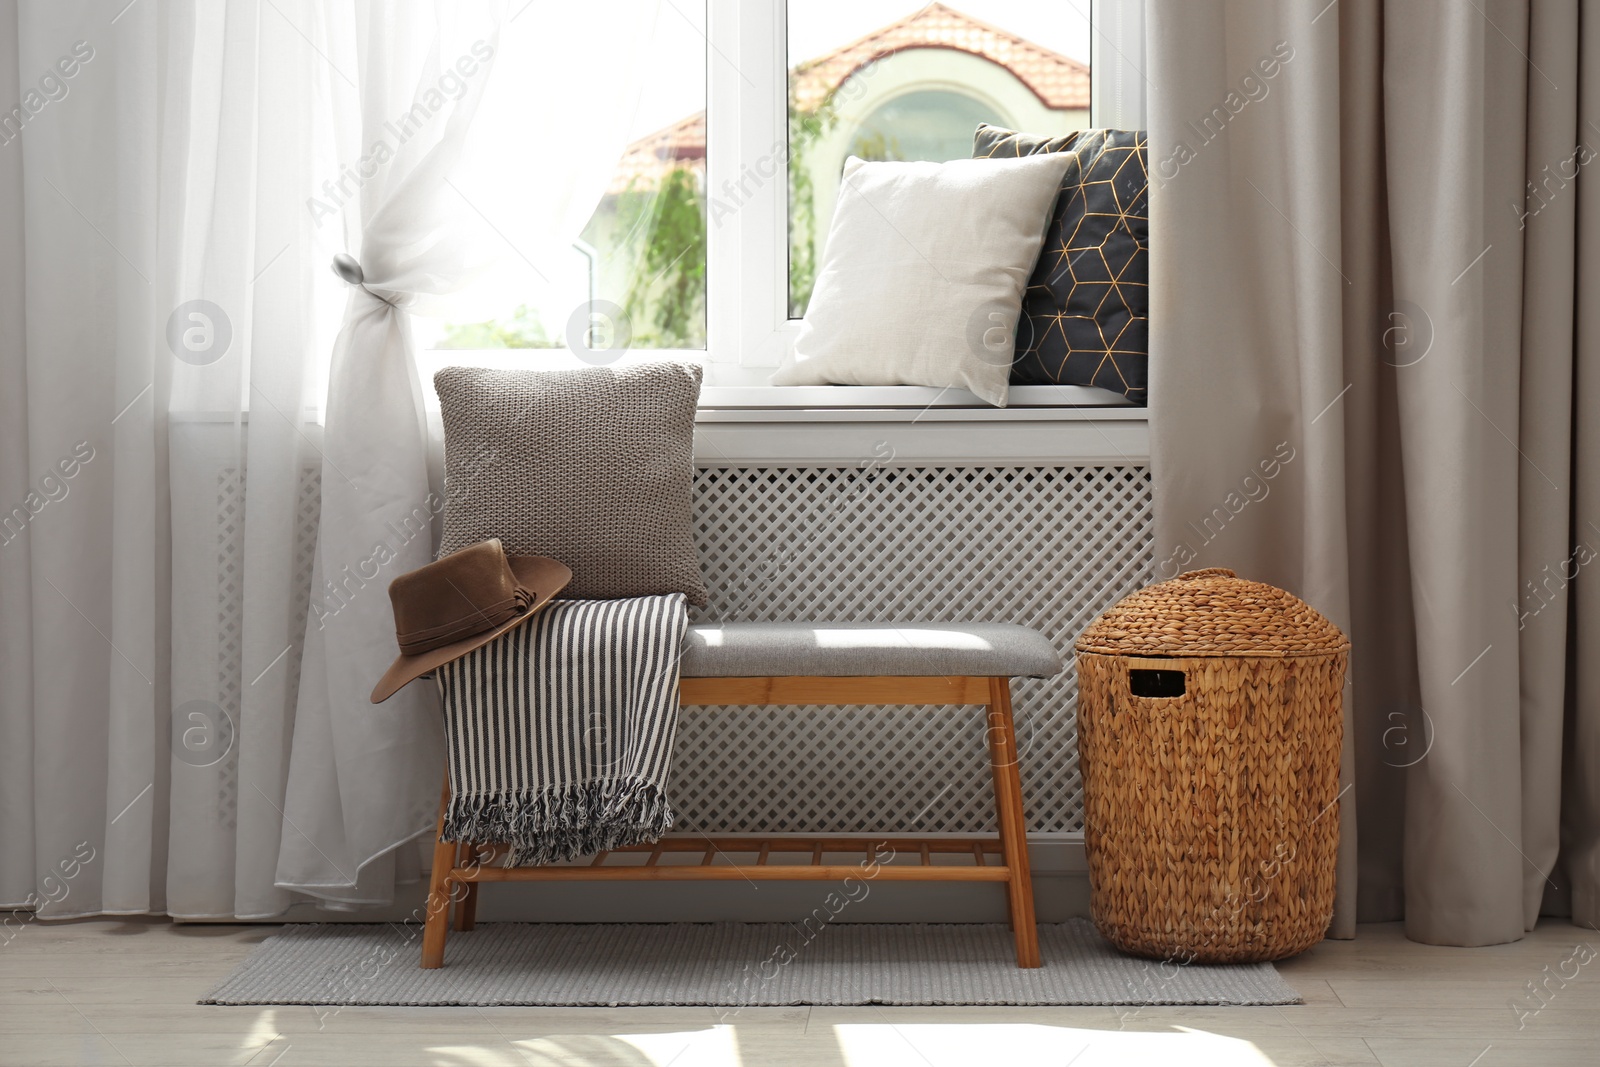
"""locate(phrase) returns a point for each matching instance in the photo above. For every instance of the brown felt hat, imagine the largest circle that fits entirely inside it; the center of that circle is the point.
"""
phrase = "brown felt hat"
(462, 602)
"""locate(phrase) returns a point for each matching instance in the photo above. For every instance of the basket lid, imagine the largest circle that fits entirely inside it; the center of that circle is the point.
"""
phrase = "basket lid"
(1212, 613)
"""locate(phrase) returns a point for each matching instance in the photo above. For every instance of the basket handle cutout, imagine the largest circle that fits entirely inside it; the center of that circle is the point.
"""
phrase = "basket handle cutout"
(1147, 683)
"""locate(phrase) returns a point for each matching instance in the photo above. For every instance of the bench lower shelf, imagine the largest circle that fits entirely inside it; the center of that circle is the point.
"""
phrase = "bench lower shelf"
(878, 856)
(459, 868)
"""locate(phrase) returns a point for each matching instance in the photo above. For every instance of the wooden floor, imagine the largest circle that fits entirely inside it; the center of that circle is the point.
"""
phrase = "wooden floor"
(123, 993)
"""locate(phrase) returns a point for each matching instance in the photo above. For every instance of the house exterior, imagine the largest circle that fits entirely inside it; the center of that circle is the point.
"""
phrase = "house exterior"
(915, 90)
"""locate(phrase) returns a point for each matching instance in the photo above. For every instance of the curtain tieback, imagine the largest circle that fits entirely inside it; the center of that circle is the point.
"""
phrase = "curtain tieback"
(349, 269)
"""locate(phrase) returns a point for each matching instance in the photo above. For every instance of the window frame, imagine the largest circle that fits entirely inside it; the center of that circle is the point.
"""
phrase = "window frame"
(747, 187)
(1117, 81)
(748, 329)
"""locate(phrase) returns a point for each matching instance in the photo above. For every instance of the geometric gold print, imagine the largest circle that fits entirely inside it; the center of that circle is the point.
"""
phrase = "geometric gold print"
(1085, 315)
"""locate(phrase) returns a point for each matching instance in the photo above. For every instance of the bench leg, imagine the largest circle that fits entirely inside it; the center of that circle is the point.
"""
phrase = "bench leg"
(436, 927)
(1010, 815)
(467, 902)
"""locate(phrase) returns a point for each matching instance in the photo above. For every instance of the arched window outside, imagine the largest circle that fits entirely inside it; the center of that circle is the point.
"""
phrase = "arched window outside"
(926, 124)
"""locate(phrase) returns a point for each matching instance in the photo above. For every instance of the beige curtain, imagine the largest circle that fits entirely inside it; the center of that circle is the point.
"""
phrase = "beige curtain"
(1371, 227)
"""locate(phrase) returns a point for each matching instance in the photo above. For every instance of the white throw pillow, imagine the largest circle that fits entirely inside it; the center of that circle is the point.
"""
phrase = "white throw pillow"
(923, 274)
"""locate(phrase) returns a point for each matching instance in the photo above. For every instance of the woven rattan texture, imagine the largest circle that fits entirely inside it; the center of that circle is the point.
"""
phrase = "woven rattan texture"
(1212, 613)
(591, 466)
(1049, 547)
(1212, 819)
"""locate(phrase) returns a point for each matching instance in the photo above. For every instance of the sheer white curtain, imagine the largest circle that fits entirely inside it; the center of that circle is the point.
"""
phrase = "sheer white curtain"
(359, 773)
(171, 193)
(161, 374)
(364, 779)
(236, 171)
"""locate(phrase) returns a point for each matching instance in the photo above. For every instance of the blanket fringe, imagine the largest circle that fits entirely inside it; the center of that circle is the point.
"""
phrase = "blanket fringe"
(554, 825)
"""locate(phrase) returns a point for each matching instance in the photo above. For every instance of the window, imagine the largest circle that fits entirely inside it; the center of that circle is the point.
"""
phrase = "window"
(631, 275)
(934, 124)
(712, 226)
(895, 79)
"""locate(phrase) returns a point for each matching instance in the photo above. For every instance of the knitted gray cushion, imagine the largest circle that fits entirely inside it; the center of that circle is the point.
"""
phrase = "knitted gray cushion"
(592, 467)
(845, 649)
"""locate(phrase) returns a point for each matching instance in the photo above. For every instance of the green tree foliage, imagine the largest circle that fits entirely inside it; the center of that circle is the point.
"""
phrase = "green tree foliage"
(660, 231)
(806, 128)
(877, 147)
(668, 292)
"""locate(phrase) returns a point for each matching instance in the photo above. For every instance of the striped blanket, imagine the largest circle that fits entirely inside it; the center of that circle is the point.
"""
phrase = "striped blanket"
(560, 732)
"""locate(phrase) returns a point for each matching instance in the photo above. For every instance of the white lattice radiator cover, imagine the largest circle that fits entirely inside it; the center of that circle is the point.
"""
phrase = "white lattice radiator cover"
(1050, 547)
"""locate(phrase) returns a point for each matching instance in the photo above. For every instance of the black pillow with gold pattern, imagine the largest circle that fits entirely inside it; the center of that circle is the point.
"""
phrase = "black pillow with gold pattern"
(1085, 315)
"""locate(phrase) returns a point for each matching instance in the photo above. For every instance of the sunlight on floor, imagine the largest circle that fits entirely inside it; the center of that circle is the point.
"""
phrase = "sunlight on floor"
(936, 1044)
(263, 1030)
(881, 1044)
(710, 1047)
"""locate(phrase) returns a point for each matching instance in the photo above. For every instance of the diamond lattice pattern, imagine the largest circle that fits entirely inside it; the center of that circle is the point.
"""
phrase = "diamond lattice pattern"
(1050, 547)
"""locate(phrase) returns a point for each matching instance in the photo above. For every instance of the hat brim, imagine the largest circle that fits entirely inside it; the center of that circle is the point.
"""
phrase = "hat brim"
(539, 575)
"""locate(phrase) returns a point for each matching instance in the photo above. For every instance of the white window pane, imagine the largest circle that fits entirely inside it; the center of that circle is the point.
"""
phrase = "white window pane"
(636, 275)
(894, 79)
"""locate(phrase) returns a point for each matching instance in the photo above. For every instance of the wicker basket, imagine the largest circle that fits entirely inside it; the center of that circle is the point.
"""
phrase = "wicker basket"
(1209, 731)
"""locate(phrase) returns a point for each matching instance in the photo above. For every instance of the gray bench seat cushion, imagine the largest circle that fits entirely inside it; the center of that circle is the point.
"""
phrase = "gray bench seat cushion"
(844, 649)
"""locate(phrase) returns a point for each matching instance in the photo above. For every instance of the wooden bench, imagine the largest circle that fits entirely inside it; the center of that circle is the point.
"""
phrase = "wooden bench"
(755, 664)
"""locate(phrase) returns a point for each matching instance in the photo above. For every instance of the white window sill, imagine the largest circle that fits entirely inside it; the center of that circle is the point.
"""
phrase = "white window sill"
(905, 426)
(1024, 401)
(731, 388)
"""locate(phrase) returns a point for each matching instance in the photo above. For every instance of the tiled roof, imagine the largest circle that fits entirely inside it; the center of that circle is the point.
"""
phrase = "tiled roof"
(683, 144)
(1059, 82)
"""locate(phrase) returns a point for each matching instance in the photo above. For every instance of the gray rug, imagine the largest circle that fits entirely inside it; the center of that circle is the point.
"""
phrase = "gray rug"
(725, 964)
